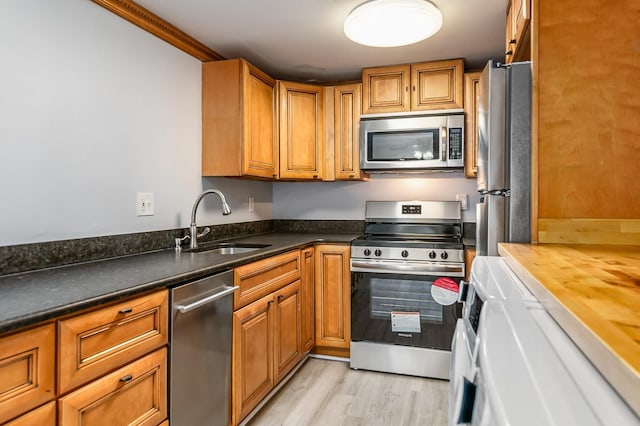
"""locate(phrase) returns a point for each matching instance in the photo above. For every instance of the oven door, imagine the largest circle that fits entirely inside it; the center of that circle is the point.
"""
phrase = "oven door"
(399, 309)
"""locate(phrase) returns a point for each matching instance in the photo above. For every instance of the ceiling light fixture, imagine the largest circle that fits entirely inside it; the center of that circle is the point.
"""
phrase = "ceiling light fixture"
(392, 23)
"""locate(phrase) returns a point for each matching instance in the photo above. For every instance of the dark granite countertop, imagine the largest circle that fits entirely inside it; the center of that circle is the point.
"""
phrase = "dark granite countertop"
(31, 297)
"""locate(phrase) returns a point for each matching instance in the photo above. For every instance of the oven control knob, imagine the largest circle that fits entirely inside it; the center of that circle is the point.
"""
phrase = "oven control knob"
(367, 252)
(432, 255)
(404, 253)
(444, 255)
(378, 252)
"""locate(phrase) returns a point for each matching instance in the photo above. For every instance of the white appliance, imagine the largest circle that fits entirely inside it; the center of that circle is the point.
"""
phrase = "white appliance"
(504, 156)
(516, 366)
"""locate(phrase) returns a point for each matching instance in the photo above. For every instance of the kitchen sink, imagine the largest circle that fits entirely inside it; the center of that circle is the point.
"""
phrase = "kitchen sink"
(228, 248)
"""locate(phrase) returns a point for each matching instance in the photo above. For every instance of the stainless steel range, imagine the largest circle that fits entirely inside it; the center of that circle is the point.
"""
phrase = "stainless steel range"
(406, 270)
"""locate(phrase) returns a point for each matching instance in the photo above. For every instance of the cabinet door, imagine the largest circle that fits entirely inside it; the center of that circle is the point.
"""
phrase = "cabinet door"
(386, 89)
(307, 300)
(260, 146)
(252, 362)
(333, 296)
(471, 86)
(347, 110)
(239, 126)
(301, 131)
(27, 370)
(134, 394)
(437, 85)
(287, 346)
(510, 36)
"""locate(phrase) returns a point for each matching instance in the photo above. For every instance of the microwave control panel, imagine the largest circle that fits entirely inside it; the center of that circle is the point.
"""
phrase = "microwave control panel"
(455, 143)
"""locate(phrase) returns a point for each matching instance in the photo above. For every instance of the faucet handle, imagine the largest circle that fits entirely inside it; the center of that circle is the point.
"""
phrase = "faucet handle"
(179, 241)
(204, 232)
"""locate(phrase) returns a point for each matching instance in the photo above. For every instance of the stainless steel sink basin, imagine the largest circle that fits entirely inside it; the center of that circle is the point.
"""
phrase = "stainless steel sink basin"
(228, 248)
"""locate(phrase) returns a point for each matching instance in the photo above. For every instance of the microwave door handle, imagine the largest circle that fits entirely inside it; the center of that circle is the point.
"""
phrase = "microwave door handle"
(444, 143)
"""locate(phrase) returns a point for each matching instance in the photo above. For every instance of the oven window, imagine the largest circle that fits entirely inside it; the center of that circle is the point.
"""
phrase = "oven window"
(380, 302)
(397, 295)
(404, 146)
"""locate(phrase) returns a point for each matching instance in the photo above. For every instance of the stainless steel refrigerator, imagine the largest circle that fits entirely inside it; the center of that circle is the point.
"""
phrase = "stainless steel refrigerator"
(504, 156)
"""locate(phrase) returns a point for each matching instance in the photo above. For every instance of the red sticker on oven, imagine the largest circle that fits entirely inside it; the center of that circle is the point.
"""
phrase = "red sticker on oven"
(445, 291)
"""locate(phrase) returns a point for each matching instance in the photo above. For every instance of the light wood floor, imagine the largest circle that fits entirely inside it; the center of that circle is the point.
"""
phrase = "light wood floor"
(328, 393)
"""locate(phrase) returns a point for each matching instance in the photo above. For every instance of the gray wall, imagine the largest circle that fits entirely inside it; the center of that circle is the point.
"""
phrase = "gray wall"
(92, 111)
(345, 200)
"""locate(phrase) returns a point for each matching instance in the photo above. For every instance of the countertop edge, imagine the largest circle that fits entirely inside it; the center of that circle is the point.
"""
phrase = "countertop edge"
(38, 317)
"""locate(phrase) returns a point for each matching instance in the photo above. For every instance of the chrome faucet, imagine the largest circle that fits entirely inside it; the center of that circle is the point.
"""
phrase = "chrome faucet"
(193, 230)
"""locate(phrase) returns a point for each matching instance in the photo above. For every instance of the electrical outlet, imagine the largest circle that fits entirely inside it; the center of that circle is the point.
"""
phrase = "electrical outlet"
(463, 200)
(252, 207)
(144, 204)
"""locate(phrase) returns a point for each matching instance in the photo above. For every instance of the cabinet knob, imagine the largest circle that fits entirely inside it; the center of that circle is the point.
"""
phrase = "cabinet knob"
(512, 41)
(125, 311)
(280, 297)
(352, 176)
(414, 87)
(508, 53)
(315, 176)
(406, 88)
(126, 378)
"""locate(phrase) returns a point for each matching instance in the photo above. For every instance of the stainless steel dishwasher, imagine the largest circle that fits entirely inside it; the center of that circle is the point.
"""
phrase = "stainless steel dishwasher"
(200, 351)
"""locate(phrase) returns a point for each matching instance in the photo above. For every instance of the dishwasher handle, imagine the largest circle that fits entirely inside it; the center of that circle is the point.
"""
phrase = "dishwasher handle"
(183, 309)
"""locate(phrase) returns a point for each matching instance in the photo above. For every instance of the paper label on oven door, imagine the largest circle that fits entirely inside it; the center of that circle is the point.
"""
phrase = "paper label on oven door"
(445, 291)
(405, 322)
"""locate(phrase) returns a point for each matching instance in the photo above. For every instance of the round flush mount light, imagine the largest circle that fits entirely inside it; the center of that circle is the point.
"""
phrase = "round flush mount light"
(392, 23)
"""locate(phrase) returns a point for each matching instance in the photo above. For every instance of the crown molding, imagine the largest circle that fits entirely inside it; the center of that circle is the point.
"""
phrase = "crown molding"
(157, 26)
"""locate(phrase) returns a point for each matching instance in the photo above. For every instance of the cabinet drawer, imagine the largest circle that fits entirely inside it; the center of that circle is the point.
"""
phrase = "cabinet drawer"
(43, 416)
(134, 394)
(97, 342)
(27, 366)
(260, 278)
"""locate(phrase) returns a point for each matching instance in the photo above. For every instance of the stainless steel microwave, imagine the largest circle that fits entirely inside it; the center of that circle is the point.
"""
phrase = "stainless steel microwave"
(408, 143)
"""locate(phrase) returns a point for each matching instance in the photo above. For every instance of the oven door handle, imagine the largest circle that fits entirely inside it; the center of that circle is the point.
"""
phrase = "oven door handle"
(414, 267)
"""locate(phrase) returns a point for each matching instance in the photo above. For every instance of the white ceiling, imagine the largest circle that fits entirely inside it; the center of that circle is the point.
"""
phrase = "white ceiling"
(303, 40)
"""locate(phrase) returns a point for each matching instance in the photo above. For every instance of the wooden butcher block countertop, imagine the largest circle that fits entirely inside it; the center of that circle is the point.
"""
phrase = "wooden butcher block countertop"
(593, 292)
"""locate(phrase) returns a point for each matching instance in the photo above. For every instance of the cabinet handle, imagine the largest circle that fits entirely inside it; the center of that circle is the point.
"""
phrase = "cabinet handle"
(125, 311)
(126, 378)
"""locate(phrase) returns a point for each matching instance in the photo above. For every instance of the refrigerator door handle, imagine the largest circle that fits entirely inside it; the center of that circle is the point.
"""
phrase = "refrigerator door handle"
(444, 143)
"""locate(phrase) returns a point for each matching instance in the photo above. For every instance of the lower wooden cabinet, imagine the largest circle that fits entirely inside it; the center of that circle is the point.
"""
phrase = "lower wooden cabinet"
(333, 299)
(42, 416)
(469, 255)
(134, 394)
(307, 300)
(27, 371)
(266, 346)
(112, 368)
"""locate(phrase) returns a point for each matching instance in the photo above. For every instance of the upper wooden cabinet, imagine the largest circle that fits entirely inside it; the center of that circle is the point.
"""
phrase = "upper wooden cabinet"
(517, 37)
(239, 127)
(415, 87)
(346, 119)
(301, 131)
(471, 86)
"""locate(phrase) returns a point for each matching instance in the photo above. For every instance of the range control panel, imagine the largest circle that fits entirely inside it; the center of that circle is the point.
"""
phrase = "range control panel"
(411, 209)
